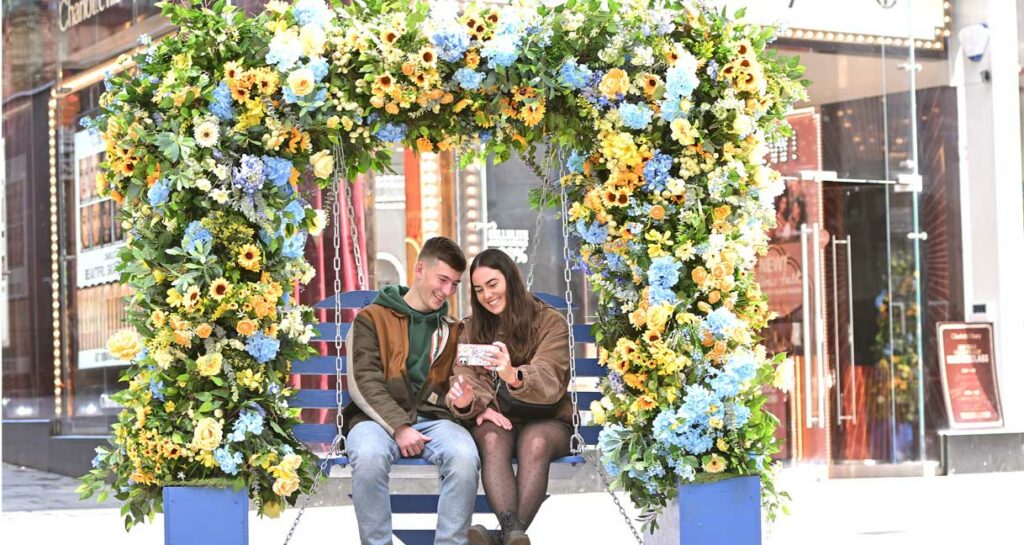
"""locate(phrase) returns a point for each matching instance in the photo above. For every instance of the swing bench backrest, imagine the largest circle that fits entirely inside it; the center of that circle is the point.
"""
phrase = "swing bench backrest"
(587, 374)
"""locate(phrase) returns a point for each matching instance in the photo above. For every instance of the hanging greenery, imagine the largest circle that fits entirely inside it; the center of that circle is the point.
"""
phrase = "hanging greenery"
(661, 115)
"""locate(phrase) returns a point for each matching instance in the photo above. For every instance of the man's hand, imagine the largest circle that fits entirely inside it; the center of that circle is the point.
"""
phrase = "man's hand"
(410, 441)
(460, 393)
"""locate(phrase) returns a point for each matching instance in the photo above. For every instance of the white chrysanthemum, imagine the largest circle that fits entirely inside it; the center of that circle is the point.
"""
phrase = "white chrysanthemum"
(220, 195)
(207, 134)
(319, 223)
(203, 184)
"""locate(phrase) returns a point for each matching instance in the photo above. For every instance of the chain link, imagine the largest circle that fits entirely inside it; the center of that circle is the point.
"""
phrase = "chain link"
(576, 443)
(324, 464)
(593, 457)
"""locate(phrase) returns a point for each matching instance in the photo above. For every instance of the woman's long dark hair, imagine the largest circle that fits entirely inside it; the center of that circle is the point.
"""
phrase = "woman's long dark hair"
(516, 320)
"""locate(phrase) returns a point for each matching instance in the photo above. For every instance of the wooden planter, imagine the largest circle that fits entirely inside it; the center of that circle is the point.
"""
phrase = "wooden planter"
(201, 515)
(727, 511)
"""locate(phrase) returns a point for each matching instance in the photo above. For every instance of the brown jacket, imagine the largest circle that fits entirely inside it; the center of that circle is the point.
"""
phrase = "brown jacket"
(377, 348)
(545, 369)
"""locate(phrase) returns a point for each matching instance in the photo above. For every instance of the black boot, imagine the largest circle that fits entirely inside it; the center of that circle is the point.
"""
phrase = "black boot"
(478, 535)
(513, 530)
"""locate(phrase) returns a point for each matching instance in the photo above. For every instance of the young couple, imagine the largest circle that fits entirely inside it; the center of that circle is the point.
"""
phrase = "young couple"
(409, 398)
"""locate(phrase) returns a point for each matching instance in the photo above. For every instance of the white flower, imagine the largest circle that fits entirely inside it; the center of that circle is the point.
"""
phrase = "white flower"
(319, 222)
(203, 184)
(207, 134)
(221, 171)
(220, 195)
(308, 274)
(552, 3)
(642, 56)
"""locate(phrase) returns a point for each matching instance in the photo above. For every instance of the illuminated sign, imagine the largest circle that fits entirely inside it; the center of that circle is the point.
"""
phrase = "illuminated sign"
(73, 13)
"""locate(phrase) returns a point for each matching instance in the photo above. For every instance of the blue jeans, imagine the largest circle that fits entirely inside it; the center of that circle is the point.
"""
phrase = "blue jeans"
(372, 450)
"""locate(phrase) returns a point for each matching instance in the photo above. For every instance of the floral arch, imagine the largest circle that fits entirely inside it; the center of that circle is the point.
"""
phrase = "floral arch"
(661, 115)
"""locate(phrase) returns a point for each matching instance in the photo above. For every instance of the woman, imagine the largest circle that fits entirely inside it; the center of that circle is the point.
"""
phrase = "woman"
(530, 362)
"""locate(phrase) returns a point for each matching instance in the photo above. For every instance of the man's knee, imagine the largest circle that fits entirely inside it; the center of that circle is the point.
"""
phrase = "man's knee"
(462, 457)
(371, 449)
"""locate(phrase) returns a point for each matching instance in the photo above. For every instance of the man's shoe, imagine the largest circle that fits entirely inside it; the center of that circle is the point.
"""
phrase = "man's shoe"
(513, 530)
(478, 535)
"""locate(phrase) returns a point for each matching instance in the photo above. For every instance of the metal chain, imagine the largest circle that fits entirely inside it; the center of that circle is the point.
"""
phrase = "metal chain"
(576, 443)
(593, 457)
(334, 451)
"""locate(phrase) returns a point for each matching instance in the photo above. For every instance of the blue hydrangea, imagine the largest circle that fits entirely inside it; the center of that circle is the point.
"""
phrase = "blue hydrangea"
(720, 322)
(221, 105)
(593, 233)
(737, 416)
(616, 263)
(616, 383)
(284, 54)
(662, 276)
(635, 116)
(712, 69)
(159, 193)
(319, 68)
(574, 75)
(278, 170)
(468, 79)
(196, 234)
(485, 136)
(311, 12)
(249, 175)
(294, 213)
(682, 470)
(261, 347)
(500, 51)
(451, 42)
(98, 459)
(294, 246)
(392, 132)
(274, 389)
(228, 461)
(681, 79)
(156, 387)
(248, 421)
(656, 172)
(575, 162)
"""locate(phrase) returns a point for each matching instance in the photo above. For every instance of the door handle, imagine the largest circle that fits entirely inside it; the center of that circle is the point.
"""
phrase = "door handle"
(819, 325)
(849, 287)
(849, 329)
(806, 326)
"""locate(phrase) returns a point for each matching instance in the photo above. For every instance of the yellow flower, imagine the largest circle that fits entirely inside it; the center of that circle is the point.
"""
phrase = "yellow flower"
(683, 132)
(208, 434)
(427, 56)
(722, 445)
(615, 82)
(174, 297)
(714, 464)
(250, 380)
(273, 509)
(246, 327)
(472, 59)
(192, 296)
(333, 122)
(722, 212)
(532, 113)
(313, 40)
(204, 331)
(125, 344)
(285, 487)
(301, 81)
(169, 407)
(424, 145)
(219, 288)
(159, 318)
(277, 6)
(163, 359)
(644, 402)
(323, 164)
(209, 364)
(249, 257)
(597, 412)
(291, 462)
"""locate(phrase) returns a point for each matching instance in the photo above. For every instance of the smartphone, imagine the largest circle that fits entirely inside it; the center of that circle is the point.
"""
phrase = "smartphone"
(473, 354)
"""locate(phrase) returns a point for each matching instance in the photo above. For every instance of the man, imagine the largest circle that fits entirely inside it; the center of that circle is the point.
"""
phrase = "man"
(401, 350)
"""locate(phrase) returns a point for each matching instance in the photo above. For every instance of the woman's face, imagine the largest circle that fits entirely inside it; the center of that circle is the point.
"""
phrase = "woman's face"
(489, 288)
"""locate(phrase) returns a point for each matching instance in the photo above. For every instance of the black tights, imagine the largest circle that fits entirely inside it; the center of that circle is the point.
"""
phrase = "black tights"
(536, 444)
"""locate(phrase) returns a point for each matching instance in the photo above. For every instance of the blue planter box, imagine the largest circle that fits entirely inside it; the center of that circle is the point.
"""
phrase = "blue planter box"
(727, 511)
(198, 515)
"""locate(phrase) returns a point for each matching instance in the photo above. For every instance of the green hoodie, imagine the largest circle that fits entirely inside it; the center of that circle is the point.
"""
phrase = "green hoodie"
(422, 326)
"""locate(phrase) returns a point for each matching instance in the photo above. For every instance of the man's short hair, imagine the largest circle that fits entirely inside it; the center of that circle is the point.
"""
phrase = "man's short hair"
(446, 250)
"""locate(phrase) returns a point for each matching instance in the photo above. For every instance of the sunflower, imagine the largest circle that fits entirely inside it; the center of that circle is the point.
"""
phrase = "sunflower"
(249, 257)
(219, 288)
(715, 464)
(428, 56)
(192, 297)
(532, 113)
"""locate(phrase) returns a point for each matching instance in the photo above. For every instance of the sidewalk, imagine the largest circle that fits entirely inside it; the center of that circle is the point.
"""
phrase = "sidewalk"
(983, 509)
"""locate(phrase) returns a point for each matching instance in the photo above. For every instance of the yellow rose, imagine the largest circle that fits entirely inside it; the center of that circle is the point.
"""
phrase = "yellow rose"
(683, 132)
(285, 487)
(209, 364)
(615, 82)
(163, 359)
(333, 122)
(125, 344)
(246, 327)
(301, 81)
(323, 164)
(312, 39)
(699, 275)
(597, 412)
(291, 462)
(207, 435)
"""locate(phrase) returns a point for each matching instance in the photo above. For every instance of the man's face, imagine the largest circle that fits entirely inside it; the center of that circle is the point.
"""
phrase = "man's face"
(435, 282)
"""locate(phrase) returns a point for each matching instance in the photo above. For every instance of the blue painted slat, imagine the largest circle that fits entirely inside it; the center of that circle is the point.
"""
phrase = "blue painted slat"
(589, 434)
(349, 300)
(427, 503)
(584, 399)
(556, 301)
(415, 537)
(317, 399)
(325, 331)
(315, 433)
(585, 367)
(582, 333)
(319, 365)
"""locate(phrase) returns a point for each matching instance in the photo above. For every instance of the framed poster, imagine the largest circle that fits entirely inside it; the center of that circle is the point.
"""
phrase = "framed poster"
(968, 368)
(99, 237)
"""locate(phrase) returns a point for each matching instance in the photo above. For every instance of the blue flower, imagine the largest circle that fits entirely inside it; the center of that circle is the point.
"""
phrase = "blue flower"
(228, 461)
(681, 79)
(294, 213)
(278, 170)
(616, 383)
(392, 132)
(500, 51)
(880, 300)
(196, 234)
(221, 105)
(662, 276)
(248, 421)
(575, 162)
(468, 79)
(312, 12)
(573, 75)
(144, 39)
(249, 175)
(159, 193)
(737, 416)
(261, 347)
(593, 233)
(485, 136)
(156, 387)
(294, 246)
(635, 116)
(284, 54)
(319, 68)
(720, 322)
(712, 69)
(451, 42)
(656, 172)
(98, 459)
